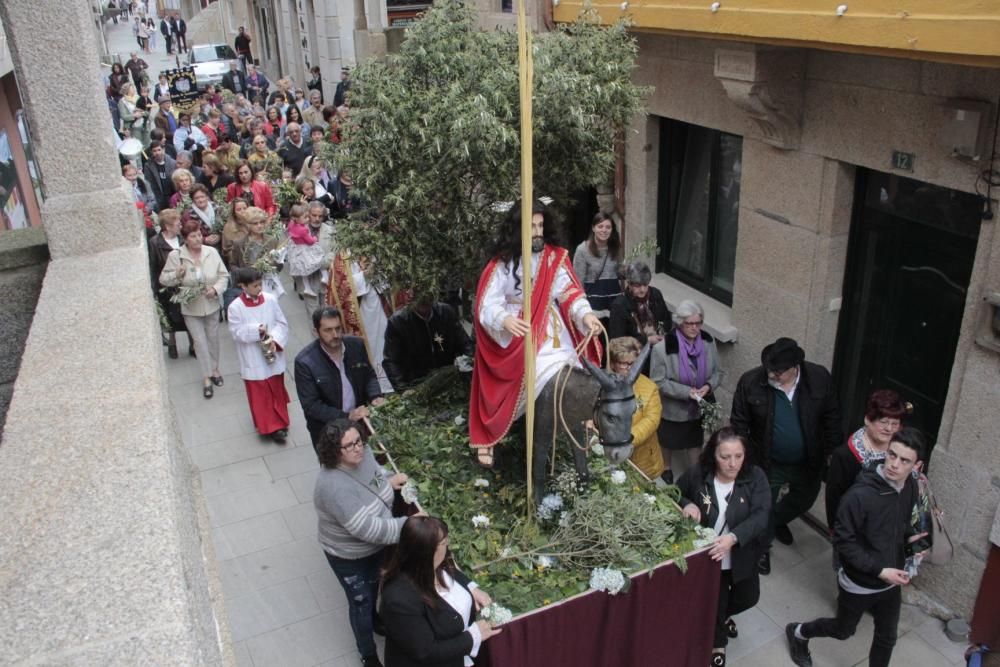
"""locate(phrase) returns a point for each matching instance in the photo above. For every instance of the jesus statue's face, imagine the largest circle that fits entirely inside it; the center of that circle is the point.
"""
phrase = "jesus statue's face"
(537, 231)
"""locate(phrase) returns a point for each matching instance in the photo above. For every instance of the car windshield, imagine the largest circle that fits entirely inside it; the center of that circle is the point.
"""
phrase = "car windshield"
(203, 54)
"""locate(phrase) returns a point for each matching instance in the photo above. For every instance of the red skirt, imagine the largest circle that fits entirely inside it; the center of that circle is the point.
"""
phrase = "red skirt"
(268, 403)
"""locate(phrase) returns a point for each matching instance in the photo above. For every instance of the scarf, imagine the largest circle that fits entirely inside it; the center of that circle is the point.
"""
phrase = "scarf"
(207, 218)
(686, 351)
(643, 314)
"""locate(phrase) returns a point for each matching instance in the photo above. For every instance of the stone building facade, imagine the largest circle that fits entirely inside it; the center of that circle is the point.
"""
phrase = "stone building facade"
(839, 216)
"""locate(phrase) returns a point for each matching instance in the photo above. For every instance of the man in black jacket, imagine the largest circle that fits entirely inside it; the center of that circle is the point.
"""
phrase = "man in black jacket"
(333, 377)
(419, 338)
(787, 408)
(873, 535)
(234, 80)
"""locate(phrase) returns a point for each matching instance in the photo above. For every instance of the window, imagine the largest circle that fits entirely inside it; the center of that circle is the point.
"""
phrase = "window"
(507, 6)
(699, 200)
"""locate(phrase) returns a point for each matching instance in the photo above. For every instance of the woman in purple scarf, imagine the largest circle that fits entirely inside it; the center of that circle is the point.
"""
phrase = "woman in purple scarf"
(685, 367)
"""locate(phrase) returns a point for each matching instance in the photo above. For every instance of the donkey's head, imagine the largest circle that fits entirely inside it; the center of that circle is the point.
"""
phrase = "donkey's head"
(615, 407)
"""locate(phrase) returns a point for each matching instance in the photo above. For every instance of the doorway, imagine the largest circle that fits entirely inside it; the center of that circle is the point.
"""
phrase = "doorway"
(909, 261)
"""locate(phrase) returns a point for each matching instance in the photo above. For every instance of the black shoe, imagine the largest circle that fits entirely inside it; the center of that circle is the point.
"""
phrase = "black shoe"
(667, 476)
(718, 660)
(172, 351)
(207, 391)
(798, 649)
(731, 630)
(371, 661)
(783, 534)
(764, 563)
(217, 380)
(279, 436)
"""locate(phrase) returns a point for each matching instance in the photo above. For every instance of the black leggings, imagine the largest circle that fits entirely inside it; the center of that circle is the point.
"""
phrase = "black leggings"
(734, 597)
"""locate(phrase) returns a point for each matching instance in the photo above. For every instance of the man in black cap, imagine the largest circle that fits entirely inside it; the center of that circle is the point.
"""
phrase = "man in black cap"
(787, 408)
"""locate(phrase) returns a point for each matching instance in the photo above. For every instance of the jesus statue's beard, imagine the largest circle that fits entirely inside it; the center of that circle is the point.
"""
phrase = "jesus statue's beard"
(537, 243)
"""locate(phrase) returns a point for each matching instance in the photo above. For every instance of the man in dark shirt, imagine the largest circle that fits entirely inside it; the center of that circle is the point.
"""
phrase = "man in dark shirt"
(787, 408)
(135, 66)
(419, 338)
(333, 377)
(294, 149)
(877, 546)
(157, 172)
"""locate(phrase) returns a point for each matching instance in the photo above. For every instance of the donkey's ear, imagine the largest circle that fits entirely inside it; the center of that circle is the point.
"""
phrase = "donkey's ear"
(637, 365)
(599, 374)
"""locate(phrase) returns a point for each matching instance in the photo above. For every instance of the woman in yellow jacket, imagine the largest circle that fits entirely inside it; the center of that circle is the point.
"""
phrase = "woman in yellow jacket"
(646, 454)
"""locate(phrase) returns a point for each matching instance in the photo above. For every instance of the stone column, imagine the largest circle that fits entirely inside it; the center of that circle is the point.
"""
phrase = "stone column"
(86, 208)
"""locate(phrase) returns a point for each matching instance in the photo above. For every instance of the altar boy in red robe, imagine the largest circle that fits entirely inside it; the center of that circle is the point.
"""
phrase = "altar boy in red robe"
(260, 331)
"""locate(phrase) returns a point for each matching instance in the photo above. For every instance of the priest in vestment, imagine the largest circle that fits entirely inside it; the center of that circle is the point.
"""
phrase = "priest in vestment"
(255, 316)
(560, 318)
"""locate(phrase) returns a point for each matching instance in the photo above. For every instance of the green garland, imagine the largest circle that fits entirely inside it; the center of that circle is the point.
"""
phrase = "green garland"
(525, 564)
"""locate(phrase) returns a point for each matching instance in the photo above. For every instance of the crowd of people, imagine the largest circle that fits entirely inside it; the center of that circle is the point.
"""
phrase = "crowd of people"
(219, 237)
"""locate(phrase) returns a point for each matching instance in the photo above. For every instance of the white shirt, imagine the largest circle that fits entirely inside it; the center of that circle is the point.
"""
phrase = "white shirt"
(795, 385)
(722, 493)
(461, 601)
(501, 298)
(244, 323)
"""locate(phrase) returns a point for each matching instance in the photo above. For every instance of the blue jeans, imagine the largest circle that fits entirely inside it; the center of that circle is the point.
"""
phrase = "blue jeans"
(360, 581)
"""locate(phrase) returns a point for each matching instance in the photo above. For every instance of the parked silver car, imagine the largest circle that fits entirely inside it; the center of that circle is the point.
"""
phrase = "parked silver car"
(211, 62)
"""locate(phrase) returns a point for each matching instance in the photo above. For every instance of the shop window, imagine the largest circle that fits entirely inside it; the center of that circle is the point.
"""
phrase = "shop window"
(698, 209)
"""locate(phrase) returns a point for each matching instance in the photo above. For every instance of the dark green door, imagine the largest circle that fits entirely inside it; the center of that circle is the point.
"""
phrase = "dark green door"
(909, 261)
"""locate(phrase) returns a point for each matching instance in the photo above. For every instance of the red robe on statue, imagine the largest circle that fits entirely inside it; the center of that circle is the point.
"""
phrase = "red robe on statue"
(498, 374)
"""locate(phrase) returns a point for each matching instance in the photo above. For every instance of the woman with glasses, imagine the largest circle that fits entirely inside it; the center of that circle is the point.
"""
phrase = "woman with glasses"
(685, 366)
(428, 605)
(867, 446)
(353, 499)
(646, 455)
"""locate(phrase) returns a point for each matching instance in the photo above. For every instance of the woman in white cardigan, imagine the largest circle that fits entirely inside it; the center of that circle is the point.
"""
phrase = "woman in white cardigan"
(198, 270)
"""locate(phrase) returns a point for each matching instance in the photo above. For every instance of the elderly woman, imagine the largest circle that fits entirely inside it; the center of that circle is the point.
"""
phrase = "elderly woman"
(261, 151)
(596, 264)
(428, 605)
(865, 447)
(199, 268)
(160, 247)
(252, 246)
(641, 311)
(235, 229)
(685, 366)
(353, 499)
(132, 117)
(646, 454)
(203, 210)
(183, 181)
(724, 491)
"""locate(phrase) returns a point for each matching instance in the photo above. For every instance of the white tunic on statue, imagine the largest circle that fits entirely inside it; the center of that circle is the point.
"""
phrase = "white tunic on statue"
(370, 307)
(244, 326)
(501, 298)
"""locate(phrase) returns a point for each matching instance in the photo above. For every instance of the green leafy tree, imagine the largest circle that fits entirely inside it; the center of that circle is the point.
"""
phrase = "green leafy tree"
(433, 139)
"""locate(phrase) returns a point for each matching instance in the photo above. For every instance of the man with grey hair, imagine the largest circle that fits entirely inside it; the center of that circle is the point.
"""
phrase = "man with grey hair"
(313, 114)
(294, 149)
(787, 408)
(640, 312)
(185, 160)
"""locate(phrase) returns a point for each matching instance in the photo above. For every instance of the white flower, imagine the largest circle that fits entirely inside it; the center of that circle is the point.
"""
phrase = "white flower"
(481, 521)
(649, 498)
(479, 481)
(409, 492)
(496, 614)
(705, 536)
(463, 363)
(551, 504)
(506, 551)
(459, 420)
(596, 446)
(545, 561)
(607, 579)
(618, 476)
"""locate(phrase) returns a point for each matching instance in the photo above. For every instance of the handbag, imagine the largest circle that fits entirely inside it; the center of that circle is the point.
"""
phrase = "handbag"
(942, 549)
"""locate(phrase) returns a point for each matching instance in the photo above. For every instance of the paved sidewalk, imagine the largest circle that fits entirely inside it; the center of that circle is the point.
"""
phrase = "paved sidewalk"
(121, 41)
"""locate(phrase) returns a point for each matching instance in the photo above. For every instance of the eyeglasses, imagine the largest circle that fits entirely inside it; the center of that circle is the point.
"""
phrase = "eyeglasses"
(356, 444)
(692, 324)
(886, 422)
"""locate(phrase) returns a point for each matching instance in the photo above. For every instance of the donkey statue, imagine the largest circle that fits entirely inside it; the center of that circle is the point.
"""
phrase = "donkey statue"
(568, 402)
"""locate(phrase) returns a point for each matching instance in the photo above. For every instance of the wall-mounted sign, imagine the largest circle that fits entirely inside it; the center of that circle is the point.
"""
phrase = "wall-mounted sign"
(903, 161)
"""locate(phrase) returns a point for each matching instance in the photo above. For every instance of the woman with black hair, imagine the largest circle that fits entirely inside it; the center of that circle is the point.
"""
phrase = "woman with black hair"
(428, 606)
(596, 264)
(353, 499)
(724, 491)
